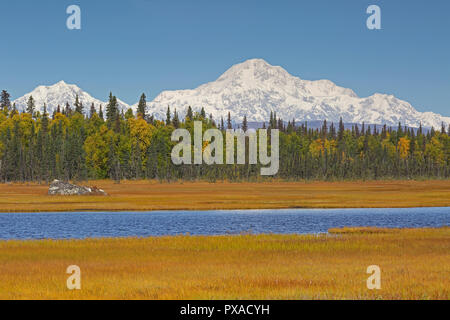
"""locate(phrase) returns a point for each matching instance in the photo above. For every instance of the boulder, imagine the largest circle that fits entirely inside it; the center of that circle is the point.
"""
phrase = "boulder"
(58, 187)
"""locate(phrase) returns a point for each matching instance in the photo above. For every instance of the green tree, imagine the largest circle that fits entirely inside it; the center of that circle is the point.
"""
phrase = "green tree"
(112, 111)
(142, 107)
(168, 116)
(31, 106)
(5, 103)
(78, 105)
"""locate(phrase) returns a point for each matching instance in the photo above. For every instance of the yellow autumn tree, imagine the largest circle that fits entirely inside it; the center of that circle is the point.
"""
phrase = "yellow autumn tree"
(330, 146)
(403, 147)
(141, 132)
(434, 149)
(59, 119)
(316, 148)
(96, 147)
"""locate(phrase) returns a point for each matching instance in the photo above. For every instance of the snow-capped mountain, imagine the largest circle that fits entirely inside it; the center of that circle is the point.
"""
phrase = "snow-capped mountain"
(255, 88)
(60, 94)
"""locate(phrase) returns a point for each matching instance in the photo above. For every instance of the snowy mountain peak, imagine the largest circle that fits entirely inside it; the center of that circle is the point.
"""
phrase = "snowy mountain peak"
(60, 83)
(253, 68)
(254, 88)
(253, 72)
(257, 73)
(61, 93)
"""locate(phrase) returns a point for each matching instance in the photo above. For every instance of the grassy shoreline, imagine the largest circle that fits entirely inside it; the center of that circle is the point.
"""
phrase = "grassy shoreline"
(415, 264)
(152, 195)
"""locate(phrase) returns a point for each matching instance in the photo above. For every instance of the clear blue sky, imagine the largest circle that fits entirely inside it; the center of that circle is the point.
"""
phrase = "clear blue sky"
(137, 46)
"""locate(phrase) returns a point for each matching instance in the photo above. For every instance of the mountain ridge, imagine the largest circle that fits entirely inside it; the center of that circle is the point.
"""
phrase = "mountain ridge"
(59, 94)
(255, 88)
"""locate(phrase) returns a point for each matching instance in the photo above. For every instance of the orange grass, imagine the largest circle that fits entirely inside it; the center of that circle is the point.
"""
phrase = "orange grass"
(415, 264)
(151, 195)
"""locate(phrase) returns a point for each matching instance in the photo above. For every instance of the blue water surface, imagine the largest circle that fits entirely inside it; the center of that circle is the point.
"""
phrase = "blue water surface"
(79, 225)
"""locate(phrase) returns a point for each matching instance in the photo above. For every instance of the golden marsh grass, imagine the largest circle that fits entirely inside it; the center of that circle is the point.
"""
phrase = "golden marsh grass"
(152, 195)
(415, 264)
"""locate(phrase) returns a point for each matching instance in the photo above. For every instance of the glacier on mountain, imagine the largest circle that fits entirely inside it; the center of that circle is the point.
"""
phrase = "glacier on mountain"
(254, 89)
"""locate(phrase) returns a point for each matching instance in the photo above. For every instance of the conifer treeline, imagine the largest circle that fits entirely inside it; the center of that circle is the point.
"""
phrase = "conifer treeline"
(70, 145)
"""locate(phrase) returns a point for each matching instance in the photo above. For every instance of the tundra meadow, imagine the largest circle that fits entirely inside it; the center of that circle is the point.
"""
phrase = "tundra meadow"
(415, 264)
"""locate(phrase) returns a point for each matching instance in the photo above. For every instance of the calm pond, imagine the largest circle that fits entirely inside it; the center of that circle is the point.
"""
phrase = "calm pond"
(79, 225)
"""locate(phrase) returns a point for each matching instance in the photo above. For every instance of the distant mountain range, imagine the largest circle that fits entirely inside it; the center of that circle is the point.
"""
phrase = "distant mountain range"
(59, 94)
(254, 88)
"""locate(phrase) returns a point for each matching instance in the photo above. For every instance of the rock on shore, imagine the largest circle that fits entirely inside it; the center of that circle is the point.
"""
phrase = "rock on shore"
(67, 189)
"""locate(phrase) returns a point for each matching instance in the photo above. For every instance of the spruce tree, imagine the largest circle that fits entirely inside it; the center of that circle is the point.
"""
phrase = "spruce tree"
(5, 103)
(189, 114)
(92, 111)
(100, 112)
(142, 107)
(78, 105)
(43, 136)
(244, 124)
(168, 116)
(399, 130)
(280, 124)
(112, 111)
(341, 130)
(324, 130)
(271, 122)
(176, 120)
(44, 119)
(68, 110)
(30, 106)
